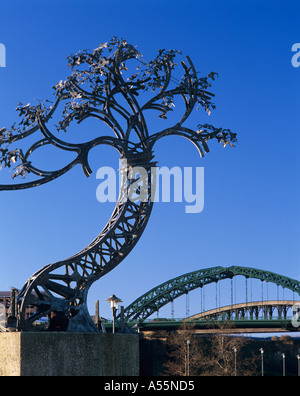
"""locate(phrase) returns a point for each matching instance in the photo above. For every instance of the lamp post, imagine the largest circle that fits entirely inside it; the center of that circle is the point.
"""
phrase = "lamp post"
(235, 352)
(262, 361)
(188, 357)
(283, 364)
(113, 300)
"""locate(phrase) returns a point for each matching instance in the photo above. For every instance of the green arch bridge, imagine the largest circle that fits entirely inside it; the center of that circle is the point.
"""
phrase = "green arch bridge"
(278, 315)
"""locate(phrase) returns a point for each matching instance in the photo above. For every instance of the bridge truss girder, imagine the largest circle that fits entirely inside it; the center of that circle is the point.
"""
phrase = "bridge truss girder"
(167, 292)
(252, 310)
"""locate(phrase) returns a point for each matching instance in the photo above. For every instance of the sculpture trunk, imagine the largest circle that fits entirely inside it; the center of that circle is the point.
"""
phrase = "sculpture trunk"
(63, 287)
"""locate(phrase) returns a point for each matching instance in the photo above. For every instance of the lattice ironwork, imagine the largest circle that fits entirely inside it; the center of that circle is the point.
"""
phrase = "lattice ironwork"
(168, 291)
(252, 310)
(98, 88)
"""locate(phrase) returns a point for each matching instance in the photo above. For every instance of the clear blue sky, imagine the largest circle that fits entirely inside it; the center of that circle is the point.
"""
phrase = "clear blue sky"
(252, 195)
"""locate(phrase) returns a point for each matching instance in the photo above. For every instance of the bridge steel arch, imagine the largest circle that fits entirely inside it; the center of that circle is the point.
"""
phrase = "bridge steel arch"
(153, 300)
(253, 309)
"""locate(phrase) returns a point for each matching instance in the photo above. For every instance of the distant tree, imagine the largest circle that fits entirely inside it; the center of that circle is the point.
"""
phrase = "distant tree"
(218, 354)
(286, 338)
(184, 356)
(227, 355)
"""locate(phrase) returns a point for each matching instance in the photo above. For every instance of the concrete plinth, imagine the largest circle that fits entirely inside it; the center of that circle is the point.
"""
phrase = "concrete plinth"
(69, 354)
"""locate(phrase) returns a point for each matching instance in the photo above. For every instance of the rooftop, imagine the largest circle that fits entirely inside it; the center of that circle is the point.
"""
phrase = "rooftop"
(4, 294)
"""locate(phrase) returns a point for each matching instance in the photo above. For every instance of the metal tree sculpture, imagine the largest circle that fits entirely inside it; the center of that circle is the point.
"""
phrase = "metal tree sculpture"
(93, 90)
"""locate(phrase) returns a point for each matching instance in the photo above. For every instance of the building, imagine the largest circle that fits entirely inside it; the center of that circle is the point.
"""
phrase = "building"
(5, 297)
(5, 302)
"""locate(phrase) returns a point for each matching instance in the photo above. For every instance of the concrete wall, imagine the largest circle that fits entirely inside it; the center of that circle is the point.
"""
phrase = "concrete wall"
(68, 354)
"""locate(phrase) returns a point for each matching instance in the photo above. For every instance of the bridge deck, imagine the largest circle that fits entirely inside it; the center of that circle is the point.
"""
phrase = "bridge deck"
(244, 319)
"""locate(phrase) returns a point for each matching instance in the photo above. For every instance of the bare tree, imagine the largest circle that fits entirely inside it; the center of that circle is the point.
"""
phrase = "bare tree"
(227, 353)
(184, 355)
(217, 354)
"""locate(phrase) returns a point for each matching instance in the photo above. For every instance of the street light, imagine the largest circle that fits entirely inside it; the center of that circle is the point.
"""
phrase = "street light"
(235, 351)
(262, 361)
(113, 300)
(283, 364)
(188, 357)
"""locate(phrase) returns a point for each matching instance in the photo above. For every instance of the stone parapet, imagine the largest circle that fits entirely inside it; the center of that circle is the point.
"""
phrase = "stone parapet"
(69, 354)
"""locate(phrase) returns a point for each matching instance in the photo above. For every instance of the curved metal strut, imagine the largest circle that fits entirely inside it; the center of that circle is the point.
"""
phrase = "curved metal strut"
(63, 286)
